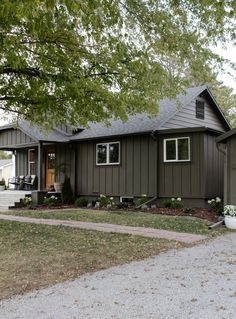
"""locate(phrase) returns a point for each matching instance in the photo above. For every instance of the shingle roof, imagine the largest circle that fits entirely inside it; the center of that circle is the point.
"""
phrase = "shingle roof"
(140, 122)
(135, 124)
(35, 133)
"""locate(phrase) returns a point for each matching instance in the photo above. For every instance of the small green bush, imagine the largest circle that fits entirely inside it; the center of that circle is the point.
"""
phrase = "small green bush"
(66, 192)
(141, 200)
(81, 202)
(104, 201)
(27, 201)
(51, 201)
(189, 210)
(173, 203)
(2, 182)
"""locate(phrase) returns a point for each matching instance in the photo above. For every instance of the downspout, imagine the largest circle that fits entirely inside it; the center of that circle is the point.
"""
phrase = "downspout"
(153, 135)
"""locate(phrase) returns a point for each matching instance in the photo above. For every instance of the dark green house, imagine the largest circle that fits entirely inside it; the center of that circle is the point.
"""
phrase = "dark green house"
(172, 155)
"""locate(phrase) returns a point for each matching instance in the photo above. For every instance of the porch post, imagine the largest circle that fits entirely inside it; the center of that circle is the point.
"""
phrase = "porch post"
(40, 164)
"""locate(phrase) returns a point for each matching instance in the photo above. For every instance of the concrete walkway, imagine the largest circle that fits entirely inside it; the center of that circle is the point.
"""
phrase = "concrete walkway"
(111, 228)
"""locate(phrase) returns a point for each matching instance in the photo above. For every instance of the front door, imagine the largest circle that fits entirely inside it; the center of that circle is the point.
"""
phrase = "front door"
(50, 169)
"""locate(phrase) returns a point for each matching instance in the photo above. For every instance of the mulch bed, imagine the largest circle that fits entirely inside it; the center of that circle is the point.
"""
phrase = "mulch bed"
(202, 213)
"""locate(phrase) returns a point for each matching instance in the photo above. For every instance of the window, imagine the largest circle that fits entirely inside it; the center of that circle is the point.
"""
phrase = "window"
(108, 153)
(177, 149)
(31, 162)
(51, 160)
(200, 110)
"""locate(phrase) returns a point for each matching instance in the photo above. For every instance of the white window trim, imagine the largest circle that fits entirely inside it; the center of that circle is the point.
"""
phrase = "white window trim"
(176, 149)
(30, 162)
(107, 154)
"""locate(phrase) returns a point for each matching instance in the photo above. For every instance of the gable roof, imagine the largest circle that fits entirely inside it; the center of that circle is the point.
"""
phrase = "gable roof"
(142, 123)
(136, 124)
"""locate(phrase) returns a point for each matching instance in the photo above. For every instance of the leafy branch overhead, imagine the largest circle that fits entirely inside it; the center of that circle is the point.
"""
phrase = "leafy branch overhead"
(92, 60)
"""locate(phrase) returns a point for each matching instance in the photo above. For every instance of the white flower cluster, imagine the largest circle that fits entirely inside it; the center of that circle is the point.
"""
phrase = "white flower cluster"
(178, 199)
(51, 197)
(229, 210)
(102, 196)
(214, 200)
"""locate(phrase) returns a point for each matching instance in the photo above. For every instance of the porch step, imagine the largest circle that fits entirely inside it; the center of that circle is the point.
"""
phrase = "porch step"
(11, 198)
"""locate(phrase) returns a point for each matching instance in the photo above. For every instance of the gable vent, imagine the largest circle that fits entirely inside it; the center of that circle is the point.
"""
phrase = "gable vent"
(200, 110)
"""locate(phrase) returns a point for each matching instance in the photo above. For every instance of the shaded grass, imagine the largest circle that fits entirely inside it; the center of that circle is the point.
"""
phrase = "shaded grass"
(174, 223)
(34, 256)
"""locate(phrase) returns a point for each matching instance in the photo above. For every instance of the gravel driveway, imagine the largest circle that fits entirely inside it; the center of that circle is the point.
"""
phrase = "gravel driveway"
(196, 282)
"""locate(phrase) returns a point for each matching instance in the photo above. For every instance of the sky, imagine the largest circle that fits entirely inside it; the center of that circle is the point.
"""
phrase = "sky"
(229, 53)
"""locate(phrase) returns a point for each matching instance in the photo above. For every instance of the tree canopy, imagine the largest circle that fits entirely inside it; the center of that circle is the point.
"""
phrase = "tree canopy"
(80, 61)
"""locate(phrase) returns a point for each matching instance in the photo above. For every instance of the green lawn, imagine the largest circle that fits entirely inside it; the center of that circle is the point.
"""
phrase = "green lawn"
(179, 224)
(35, 256)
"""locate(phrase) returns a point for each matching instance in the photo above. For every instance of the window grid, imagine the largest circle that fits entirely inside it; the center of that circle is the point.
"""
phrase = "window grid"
(176, 149)
(108, 153)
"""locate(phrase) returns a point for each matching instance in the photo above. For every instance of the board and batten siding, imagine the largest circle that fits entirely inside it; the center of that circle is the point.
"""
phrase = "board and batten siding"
(21, 162)
(186, 117)
(183, 179)
(214, 168)
(135, 175)
(12, 137)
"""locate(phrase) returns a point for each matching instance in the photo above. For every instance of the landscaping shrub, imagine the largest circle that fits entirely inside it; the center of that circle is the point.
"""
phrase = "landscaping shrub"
(66, 192)
(51, 201)
(105, 201)
(81, 202)
(27, 201)
(2, 182)
(216, 204)
(122, 205)
(173, 203)
(189, 210)
(141, 200)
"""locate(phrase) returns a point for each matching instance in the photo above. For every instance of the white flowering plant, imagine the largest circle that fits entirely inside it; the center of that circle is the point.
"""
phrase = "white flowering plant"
(105, 201)
(27, 201)
(230, 210)
(173, 203)
(216, 204)
(51, 201)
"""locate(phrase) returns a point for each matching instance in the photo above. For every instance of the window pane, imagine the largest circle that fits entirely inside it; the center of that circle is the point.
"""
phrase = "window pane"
(183, 153)
(114, 153)
(32, 170)
(101, 153)
(170, 150)
(31, 155)
(51, 160)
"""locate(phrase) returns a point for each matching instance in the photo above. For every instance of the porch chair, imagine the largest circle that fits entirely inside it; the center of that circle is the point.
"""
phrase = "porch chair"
(30, 182)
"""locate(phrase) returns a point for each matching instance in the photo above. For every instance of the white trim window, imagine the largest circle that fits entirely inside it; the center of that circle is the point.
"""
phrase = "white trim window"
(177, 149)
(108, 153)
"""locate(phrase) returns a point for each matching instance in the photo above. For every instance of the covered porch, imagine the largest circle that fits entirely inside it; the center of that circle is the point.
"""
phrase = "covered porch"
(41, 157)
